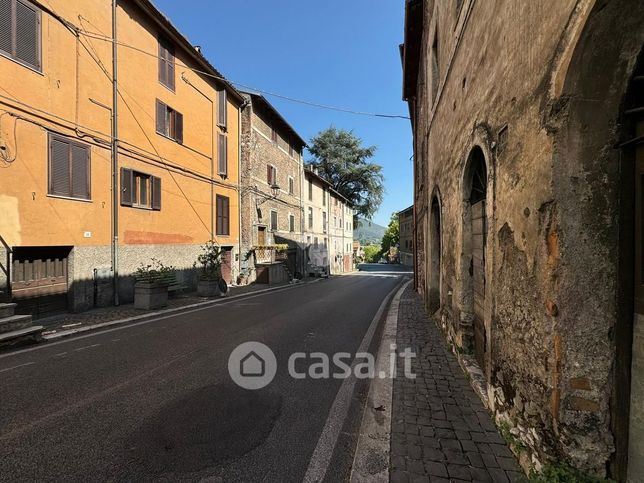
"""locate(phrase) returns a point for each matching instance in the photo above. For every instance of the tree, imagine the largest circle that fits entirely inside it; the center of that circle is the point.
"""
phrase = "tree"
(391, 238)
(342, 160)
(371, 253)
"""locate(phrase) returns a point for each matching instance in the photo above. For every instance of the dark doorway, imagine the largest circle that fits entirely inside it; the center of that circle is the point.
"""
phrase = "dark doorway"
(435, 257)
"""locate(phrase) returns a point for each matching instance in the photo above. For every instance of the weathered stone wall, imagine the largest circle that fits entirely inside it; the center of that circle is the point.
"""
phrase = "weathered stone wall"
(504, 83)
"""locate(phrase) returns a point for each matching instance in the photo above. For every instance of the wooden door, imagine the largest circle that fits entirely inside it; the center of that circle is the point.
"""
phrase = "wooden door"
(478, 278)
(261, 236)
(227, 265)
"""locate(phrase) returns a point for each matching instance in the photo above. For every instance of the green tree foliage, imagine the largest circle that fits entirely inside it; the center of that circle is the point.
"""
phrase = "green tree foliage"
(344, 162)
(372, 253)
(391, 238)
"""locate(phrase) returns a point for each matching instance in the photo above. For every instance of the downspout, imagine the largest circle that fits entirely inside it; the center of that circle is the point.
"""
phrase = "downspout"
(115, 147)
(239, 187)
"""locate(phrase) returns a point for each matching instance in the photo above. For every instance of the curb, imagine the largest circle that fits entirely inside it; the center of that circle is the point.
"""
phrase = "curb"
(172, 311)
(371, 458)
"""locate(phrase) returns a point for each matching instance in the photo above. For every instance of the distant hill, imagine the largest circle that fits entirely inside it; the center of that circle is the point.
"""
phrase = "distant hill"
(368, 232)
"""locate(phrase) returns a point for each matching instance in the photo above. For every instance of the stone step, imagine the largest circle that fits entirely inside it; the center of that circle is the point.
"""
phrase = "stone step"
(7, 310)
(15, 322)
(18, 336)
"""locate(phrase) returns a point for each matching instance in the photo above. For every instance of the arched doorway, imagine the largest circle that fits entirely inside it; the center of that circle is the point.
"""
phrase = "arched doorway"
(435, 247)
(476, 227)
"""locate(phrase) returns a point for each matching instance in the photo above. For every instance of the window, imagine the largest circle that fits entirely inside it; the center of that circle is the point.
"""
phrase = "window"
(273, 220)
(324, 222)
(308, 240)
(69, 168)
(435, 74)
(222, 160)
(271, 175)
(20, 31)
(291, 185)
(290, 150)
(169, 122)
(222, 105)
(323, 196)
(223, 215)
(310, 218)
(273, 134)
(315, 242)
(291, 223)
(140, 190)
(326, 242)
(166, 63)
(310, 190)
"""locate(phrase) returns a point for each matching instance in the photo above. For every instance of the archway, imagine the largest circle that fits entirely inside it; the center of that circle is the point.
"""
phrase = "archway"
(435, 250)
(475, 240)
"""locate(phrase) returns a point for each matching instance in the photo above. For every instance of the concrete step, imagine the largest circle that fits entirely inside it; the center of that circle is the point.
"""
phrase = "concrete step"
(15, 322)
(7, 310)
(22, 335)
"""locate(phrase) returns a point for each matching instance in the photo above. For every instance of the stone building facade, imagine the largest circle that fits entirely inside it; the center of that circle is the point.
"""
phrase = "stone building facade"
(527, 122)
(271, 182)
(406, 242)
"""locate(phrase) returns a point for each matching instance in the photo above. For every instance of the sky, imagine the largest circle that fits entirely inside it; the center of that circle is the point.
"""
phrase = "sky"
(334, 52)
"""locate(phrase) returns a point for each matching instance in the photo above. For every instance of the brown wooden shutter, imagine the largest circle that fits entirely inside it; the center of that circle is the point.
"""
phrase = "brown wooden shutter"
(27, 34)
(163, 72)
(226, 216)
(223, 154)
(161, 118)
(222, 106)
(127, 191)
(178, 127)
(59, 176)
(6, 29)
(80, 172)
(269, 174)
(219, 214)
(155, 184)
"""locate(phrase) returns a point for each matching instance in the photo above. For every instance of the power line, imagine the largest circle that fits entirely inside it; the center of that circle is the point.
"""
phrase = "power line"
(261, 91)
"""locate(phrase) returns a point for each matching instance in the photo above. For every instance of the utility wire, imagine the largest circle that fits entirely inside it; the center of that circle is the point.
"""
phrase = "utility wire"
(239, 84)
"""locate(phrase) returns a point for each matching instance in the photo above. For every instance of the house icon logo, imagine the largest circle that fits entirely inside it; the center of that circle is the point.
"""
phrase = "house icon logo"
(252, 365)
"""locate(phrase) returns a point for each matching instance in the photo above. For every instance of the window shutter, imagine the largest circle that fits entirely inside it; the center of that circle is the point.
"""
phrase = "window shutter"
(6, 26)
(161, 118)
(222, 106)
(126, 187)
(80, 172)
(223, 154)
(163, 72)
(269, 174)
(155, 183)
(178, 127)
(226, 216)
(27, 34)
(219, 215)
(170, 73)
(59, 168)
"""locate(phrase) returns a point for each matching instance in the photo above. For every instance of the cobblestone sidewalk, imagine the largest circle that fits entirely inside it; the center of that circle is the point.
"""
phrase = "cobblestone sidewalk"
(440, 429)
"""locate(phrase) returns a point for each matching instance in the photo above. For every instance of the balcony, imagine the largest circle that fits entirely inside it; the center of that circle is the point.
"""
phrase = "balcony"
(270, 253)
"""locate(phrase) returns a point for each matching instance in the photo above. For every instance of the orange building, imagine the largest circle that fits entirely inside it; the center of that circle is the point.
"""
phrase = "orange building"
(112, 153)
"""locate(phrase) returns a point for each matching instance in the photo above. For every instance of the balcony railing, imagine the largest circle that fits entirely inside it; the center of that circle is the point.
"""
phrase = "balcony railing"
(271, 253)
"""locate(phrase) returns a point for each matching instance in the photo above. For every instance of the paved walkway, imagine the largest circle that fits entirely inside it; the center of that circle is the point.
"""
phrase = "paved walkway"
(440, 430)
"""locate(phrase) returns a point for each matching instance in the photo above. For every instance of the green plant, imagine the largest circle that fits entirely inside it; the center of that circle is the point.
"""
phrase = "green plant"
(563, 473)
(209, 261)
(512, 441)
(153, 272)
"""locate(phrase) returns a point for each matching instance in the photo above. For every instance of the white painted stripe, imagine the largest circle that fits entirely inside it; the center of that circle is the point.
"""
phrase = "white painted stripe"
(86, 347)
(323, 452)
(16, 367)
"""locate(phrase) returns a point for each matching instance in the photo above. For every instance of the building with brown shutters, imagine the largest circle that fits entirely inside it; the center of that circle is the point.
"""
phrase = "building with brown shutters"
(406, 239)
(271, 202)
(99, 176)
(528, 120)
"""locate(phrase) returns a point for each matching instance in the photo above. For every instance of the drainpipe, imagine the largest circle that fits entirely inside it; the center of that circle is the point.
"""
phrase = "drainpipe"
(239, 186)
(115, 162)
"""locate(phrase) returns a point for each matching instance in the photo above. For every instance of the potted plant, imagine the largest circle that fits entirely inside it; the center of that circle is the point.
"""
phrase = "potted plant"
(209, 263)
(151, 287)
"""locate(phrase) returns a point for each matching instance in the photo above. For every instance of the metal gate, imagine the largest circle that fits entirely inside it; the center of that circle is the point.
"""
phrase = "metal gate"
(478, 278)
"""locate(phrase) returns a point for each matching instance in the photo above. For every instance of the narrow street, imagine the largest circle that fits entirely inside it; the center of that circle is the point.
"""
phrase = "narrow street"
(154, 400)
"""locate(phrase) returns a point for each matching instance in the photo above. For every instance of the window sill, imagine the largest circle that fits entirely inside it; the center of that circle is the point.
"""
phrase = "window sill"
(141, 207)
(37, 70)
(169, 138)
(171, 89)
(69, 198)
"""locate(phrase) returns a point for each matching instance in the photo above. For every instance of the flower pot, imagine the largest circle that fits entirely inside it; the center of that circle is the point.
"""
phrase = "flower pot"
(208, 288)
(150, 296)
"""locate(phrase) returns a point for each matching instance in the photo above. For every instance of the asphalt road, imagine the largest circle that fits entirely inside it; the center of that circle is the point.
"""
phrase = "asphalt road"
(154, 401)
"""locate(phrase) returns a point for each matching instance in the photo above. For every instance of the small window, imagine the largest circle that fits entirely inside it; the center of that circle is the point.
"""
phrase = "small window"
(223, 215)
(166, 63)
(291, 223)
(324, 227)
(323, 196)
(140, 190)
(273, 220)
(310, 190)
(315, 242)
(291, 151)
(222, 105)
(169, 122)
(310, 218)
(222, 163)
(20, 31)
(291, 185)
(273, 135)
(69, 168)
(271, 175)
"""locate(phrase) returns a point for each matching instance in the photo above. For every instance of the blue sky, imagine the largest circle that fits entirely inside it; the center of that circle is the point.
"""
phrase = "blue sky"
(336, 52)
